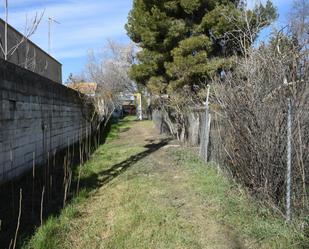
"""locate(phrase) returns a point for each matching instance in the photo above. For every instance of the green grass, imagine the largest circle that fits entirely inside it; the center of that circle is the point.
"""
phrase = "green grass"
(236, 208)
(169, 199)
(50, 234)
(109, 154)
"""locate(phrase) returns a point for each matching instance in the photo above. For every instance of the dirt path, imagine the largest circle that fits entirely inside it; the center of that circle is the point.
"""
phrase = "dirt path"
(143, 191)
(151, 205)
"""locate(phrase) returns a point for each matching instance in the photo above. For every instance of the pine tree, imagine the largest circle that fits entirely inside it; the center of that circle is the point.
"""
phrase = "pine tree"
(185, 42)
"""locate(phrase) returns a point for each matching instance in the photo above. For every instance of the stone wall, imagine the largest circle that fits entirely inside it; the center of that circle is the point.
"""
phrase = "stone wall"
(38, 117)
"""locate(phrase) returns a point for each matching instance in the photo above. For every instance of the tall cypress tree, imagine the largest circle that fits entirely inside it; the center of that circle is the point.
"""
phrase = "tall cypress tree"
(184, 42)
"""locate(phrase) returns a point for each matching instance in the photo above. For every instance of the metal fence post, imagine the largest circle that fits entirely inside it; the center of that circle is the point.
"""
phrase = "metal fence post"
(289, 161)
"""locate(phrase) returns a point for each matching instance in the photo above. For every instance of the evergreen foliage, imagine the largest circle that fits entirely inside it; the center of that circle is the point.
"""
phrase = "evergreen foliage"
(185, 42)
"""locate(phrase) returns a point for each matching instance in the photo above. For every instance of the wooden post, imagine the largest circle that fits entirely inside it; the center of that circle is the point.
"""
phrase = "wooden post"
(206, 131)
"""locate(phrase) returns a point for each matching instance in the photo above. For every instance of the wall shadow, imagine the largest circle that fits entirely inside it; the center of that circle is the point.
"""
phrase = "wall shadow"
(102, 178)
(50, 176)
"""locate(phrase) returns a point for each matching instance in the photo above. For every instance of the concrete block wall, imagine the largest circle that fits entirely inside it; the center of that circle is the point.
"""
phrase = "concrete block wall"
(37, 117)
(28, 55)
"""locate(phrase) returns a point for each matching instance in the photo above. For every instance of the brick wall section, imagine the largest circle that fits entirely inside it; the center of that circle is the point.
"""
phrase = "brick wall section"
(37, 116)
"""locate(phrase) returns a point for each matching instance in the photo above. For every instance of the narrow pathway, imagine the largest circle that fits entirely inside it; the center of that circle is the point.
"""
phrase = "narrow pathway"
(151, 205)
(144, 191)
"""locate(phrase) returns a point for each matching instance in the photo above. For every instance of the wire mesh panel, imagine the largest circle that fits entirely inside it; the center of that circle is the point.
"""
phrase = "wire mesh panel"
(250, 138)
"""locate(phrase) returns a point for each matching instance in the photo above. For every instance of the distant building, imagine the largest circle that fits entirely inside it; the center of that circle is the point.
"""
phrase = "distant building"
(128, 105)
(30, 56)
(87, 88)
(128, 108)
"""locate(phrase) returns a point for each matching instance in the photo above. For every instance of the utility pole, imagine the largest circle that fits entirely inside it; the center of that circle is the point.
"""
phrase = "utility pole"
(51, 20)
(6, 30)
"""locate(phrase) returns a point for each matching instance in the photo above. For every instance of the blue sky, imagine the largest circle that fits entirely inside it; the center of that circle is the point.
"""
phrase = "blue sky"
(87, 24)
(283, 7)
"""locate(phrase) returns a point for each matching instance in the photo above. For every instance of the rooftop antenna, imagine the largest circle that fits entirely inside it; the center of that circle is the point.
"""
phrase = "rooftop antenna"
(51, 20)
(6, 6)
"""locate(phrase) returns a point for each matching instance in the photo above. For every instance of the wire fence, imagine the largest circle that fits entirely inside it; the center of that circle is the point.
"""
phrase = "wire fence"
(265, 146)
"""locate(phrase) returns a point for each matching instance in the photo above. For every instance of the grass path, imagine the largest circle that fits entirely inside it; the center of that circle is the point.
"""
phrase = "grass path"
(144, 191)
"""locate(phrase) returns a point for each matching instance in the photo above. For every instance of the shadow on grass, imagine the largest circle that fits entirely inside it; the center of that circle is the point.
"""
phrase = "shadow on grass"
(49, 176)
(102, 178)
